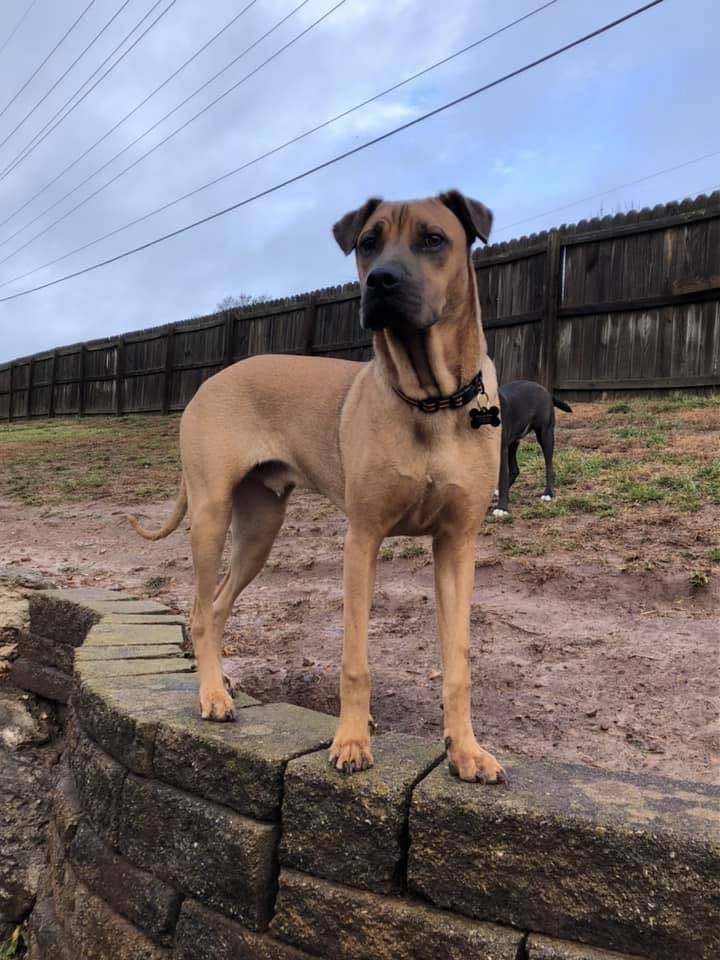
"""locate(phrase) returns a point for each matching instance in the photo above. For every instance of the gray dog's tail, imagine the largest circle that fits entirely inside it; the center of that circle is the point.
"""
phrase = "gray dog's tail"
(561, 405)
(179, 511)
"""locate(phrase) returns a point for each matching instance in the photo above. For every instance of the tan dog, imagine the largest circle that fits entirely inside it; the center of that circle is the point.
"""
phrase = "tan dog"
(370, 437)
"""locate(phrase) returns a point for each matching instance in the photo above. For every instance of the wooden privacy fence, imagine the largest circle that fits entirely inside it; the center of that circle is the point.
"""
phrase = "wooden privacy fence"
(623, 303)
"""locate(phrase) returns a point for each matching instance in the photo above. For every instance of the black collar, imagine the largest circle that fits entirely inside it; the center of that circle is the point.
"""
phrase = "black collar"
(454, 401)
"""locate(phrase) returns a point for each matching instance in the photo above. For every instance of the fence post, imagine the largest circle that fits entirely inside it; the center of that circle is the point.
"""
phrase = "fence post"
(551, 296)
(31, 370)
(119, 373)
(81, 389)
(309, 325)
(167, 384)
(10, 395)
(53, 375)
(229, 338)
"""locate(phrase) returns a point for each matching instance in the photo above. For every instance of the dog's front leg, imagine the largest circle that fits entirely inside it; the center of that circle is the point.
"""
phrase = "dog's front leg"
(350, 750)
(454, 575)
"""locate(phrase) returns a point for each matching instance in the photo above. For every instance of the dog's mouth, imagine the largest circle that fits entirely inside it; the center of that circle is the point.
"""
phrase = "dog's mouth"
(395, 312)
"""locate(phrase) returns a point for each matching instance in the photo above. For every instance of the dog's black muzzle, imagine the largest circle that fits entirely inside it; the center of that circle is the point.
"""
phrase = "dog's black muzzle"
(390, 298)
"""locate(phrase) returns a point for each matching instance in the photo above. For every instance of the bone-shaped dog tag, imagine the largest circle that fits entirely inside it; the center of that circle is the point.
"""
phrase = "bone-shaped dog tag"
(485, 416)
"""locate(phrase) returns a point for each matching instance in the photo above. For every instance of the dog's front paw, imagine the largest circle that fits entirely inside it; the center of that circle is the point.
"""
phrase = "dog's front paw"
(349, 754)
(546, 497)
(500, 513)
(216, 704)
(470, 762)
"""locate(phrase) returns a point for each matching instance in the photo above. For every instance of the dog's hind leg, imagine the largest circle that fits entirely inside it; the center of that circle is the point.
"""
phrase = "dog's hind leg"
(501, 507)
(258, 514)
(210, 522)
(514, 470)
(546, 439)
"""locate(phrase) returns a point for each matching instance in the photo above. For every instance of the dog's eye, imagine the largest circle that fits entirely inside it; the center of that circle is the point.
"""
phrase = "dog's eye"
(433, 240)
(367, 243)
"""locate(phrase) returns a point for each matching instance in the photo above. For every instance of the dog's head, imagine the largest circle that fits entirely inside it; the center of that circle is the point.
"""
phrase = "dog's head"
(412, 258)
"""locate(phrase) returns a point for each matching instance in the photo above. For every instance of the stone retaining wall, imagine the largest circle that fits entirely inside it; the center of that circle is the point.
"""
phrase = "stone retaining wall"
(174, 838)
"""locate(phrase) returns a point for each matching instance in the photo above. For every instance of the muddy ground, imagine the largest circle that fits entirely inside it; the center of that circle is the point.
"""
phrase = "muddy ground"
(595, 618)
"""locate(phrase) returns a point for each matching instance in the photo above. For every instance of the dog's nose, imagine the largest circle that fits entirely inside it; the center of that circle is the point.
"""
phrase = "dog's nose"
(384, 278)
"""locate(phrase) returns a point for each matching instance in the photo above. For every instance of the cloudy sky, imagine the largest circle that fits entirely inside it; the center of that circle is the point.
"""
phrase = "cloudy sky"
(628, 104)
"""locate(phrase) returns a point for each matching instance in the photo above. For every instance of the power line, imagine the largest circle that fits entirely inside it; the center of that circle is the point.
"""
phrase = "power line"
(65, 73)
(39, 68)
(604, 193)
(127, 115)
(41, 135)
(162, 142)
(341, 156)
(287, 143)
(17, 26)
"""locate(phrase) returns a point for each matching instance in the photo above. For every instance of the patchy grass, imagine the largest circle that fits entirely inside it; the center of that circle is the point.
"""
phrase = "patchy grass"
(699, 579)
(129, 459)
(714, 555)
(518, 548)
(623, 406)
(411, 550)
(15, 946)
(155, 585)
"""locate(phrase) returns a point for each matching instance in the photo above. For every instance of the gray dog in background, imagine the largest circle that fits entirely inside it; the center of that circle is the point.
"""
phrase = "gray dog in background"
(525, 406)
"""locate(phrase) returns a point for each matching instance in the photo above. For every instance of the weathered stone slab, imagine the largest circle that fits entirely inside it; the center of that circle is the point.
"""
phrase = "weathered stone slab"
(56, 616)
(98, 780)
(354, 829)
(133, 668)
(86, 594)
(122, 715)
(47, 939)
(618, 861)
(127, 607)
(152, 619)
(330, 920)
(219, 856)
(203, 933)
(543, 948)
(94, 930)
(131, 634)
(47, 682)
(147, 902)
(105, 652)
(66, 810)
(239, 764)
(23, 578)
(50, 653)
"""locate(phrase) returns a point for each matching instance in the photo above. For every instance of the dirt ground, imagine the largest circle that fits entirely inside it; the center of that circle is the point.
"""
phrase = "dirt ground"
(595, 618)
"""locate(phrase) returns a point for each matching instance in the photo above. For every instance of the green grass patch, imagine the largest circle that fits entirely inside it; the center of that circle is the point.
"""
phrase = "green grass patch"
(622, 406)
(682, 493)
(596, 504)
(410, 551)
(683, 401)
(15, 946)
(714, 555)
(517, 548)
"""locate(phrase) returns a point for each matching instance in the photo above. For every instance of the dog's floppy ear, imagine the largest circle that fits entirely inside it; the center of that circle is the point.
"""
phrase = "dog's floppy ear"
(347, 229)
(473, 215)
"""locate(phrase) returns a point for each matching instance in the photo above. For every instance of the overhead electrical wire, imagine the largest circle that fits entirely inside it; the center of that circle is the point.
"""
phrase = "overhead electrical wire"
(37, 69)
(134, 110)
(17, 26)
(603, 193)
(293, 140)
(65, 73)
(341, 156)
(162, 142)
(41, 134)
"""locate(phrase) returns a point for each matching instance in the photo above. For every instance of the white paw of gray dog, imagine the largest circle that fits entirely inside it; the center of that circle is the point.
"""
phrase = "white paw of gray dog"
(546, 497)
(500, 513)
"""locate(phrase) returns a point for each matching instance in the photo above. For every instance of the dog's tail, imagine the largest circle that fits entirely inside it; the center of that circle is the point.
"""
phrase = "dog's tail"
(171, 524)
(561, 405)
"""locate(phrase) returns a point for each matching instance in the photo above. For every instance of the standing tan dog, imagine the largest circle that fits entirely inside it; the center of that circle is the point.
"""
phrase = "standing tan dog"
(389, 442)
